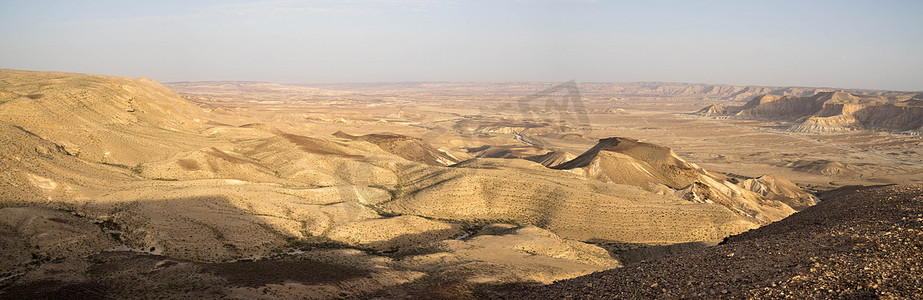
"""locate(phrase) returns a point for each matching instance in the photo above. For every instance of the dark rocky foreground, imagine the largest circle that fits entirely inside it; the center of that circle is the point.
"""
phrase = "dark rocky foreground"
(859, 243)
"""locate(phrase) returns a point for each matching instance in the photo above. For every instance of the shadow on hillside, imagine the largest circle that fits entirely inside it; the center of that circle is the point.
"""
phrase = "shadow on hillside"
(219, 233)
(408, 243)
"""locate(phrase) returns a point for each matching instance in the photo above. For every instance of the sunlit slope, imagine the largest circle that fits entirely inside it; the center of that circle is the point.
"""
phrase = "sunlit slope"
(780, 189)
(33, 169)
(621, 190)
(567, 204)
(409, 148)
(101, 118)
(658, 169)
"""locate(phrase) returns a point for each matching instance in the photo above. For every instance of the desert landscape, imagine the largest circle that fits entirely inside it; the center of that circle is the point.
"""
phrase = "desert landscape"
(122, 188)
(441, 149)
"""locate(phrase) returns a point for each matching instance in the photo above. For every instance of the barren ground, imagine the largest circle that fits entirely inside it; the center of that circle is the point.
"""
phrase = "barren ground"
(123, 188)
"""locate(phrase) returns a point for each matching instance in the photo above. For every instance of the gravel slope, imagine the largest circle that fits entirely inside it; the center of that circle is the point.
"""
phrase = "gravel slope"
(862, 244)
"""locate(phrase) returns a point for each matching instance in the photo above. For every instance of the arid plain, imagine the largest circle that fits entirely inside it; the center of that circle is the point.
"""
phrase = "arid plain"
(129, 188)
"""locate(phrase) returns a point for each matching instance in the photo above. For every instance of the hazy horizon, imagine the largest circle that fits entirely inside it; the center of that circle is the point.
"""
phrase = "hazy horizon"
(838, 44)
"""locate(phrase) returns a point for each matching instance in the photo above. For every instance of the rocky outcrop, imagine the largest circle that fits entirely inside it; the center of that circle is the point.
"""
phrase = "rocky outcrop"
(829, 112)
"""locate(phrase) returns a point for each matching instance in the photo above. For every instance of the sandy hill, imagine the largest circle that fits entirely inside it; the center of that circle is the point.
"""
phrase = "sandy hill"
(780, 189)
(505, 151)
(210, 163)
(570, 205)
(859, 244)
(627, 161)
(545, 157)
(617, 182)
(823, 167)
(146, 128)
(508, 126)
(107, 119)
(410, 148)
(830, 112)
(658, 169)
(552, 158)
(33, 169)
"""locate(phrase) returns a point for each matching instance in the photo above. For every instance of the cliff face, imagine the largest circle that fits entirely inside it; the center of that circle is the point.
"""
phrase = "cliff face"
(828, 112)
(715, 91)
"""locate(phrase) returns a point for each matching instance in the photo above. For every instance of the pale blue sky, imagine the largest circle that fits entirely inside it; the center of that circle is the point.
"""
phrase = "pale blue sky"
(849, 44)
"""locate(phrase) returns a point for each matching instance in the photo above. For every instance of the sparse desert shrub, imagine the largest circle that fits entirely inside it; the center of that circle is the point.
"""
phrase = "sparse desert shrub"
(312, 242)
(137, 168)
